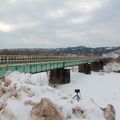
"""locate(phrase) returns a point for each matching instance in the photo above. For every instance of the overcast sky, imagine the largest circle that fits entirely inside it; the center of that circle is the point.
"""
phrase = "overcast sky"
(59, 23)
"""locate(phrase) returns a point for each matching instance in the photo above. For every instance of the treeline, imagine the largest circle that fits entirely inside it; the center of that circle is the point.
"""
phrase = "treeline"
(43, 52)
(24, 52)
(108, 60)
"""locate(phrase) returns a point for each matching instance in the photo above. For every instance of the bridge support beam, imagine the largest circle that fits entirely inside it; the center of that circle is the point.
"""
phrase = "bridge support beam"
(85, 68)
(59, 76)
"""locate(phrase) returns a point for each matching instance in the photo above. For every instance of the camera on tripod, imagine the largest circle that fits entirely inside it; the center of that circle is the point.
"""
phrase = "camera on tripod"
(78, 94)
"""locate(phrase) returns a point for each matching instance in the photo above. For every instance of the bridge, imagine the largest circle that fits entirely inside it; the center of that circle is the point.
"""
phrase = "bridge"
(57, 65)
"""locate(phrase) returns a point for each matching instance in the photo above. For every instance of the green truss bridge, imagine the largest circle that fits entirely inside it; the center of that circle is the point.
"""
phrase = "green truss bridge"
(55, 64)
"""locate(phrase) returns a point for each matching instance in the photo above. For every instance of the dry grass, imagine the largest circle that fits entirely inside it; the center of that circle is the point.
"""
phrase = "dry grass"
(46, 110)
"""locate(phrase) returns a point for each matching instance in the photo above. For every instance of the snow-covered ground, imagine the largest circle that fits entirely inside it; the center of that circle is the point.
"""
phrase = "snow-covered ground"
(114, 54)
(102, 87)
(97, 90)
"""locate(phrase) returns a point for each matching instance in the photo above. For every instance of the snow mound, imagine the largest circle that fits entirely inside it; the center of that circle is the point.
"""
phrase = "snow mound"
(36, 79)
(24, 95)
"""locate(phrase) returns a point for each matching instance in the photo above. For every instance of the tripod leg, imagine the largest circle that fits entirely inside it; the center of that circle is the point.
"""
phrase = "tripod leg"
(75, 96)
(79, 97)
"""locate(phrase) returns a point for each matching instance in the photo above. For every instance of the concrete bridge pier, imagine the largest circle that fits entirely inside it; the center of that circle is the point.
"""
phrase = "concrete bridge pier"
(97, 65)
(59, 76)
(85, 68)
(101, 64)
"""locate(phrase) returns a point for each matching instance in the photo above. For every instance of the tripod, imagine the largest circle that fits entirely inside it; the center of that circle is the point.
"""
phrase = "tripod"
(77, 91)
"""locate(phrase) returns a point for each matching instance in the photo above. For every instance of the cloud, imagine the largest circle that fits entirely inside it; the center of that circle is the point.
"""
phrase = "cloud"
(10, 27)
(79, 20)
(12, 1)
(85, 5)
(62, 23)
(55, 14)
(5, 27)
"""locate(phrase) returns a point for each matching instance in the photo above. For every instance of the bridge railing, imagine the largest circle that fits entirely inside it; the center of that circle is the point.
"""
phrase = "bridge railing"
(12, 59)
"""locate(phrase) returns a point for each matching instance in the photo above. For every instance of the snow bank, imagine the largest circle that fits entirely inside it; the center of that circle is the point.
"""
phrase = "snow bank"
(26, 84)
(112, 67)
(37, 79)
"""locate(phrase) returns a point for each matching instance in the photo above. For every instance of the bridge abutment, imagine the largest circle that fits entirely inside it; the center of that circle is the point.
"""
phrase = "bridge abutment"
(85, 68)
(59, 76)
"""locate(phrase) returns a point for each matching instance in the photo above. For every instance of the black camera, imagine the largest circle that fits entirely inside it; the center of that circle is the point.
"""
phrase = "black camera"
(77, 90)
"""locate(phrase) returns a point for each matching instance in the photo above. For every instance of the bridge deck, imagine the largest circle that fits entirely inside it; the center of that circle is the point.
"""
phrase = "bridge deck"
(39, 66)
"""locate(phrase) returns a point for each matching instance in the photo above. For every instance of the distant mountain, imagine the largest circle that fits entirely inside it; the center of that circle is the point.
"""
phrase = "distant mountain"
(80, 50)
(86, 50)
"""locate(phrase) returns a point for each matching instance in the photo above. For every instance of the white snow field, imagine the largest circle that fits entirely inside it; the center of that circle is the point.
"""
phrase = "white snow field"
(97, 90)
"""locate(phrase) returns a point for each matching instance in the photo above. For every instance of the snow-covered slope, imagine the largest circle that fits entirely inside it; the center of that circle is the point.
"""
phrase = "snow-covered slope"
(113, 54)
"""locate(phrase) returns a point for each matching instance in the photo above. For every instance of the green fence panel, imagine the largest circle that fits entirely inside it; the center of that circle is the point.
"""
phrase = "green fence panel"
(44, 67)
(48, 66)
(59, 66)
(39, 67)
(11, 68)
(52, 66)
(33, 68)
(27, 68)
(20, 68)
(55, 65)
(3, 71)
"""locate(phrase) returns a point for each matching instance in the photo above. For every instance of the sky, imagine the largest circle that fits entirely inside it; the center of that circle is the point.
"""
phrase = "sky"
(59, 23)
